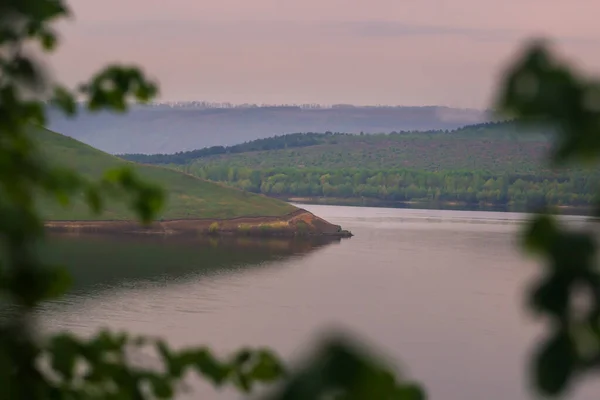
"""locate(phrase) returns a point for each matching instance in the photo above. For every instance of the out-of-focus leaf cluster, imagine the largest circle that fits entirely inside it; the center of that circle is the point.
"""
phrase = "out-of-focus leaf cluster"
(25, 92)
(101, 366)
(539, 88)
(342, 370)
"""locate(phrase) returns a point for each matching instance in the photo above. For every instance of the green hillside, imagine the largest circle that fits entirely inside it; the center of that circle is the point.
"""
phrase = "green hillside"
(491, 164)
(188, 197)
(494, 147)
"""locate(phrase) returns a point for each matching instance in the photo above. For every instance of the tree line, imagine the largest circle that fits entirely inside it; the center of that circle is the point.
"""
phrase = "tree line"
(469, 187)
(273, 143)
(306, 139)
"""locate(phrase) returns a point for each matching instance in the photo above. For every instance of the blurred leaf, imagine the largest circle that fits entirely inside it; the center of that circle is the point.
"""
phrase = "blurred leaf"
(541, 88)
(64, 100)
(162, 387)
(57, 282)
(63, 352)
(554, 364)
(114, 86)
(552, 295)
(540, 234)
(410, 392)
(267, 367)
(208, 366)
(341, 367)
(93, 199)
(48, 40)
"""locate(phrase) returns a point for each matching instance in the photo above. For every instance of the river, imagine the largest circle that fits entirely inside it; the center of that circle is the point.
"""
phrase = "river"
(439, 292)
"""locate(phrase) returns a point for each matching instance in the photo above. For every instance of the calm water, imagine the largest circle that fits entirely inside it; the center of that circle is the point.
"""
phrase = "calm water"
(439, 292)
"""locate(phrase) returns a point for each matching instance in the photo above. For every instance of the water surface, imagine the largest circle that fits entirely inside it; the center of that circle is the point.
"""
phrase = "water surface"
(439, 292)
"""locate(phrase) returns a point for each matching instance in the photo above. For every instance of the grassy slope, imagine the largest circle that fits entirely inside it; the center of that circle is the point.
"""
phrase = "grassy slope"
(496, 149)
(188, 197)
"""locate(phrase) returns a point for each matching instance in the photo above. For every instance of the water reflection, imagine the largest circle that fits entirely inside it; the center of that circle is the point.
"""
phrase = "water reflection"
(100, 262)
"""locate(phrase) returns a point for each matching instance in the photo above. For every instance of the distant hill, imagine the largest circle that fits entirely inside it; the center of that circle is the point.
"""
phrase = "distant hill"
(169, 129)
(494, 164)
(188, 197)
(492, 146)
(486, 165)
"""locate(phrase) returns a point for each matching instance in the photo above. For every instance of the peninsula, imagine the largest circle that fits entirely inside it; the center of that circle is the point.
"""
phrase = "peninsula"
(194, 206)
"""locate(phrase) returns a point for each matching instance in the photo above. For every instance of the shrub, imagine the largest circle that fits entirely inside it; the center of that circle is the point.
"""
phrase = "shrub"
(213, 229)
(244, 229)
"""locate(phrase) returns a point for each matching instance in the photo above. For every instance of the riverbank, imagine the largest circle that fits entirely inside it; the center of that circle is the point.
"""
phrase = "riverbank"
(296, 223)
(431, 205)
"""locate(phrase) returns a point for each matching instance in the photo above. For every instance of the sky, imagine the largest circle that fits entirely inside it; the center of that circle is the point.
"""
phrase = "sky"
(396, 52)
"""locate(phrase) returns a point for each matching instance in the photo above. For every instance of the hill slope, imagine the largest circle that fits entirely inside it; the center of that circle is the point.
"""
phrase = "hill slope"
(188, 197)
(163, 129)
(494, 147)
(496, 164)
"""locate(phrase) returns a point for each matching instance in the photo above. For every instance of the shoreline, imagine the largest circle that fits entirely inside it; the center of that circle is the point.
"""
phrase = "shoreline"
(430, 205)
(296, 223)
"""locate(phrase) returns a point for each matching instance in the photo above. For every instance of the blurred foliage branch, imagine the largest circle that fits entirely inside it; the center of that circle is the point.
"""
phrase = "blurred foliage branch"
(541, 89)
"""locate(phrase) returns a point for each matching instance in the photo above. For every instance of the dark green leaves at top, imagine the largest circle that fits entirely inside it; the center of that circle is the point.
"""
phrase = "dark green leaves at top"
(541, 88)
(23, 19)
(40, 11)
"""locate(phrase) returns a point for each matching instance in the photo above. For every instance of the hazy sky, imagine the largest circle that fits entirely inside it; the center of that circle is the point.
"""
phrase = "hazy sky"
(407, 52)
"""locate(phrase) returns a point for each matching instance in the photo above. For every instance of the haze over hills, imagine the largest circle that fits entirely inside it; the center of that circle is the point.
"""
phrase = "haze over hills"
(173, 127)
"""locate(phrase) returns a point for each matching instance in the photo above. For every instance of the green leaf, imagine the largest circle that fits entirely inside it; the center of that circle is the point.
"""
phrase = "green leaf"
(62, 198)
(540, 234)
(243, 383)
(554, 364)
(64, 350)
(552, 295)
(207, 365)
(64, 100)
(48, 40)
(267, 367)
(162, 387)
(410, 391)
(112, 87)
(56, 281)
(93, 199)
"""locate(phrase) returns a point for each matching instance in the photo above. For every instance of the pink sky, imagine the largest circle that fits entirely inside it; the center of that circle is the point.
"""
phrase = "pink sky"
(407, 52)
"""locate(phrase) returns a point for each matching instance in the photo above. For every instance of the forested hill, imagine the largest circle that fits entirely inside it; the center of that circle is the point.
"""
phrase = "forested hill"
(496, 164)
(360, 150)
(166, 129)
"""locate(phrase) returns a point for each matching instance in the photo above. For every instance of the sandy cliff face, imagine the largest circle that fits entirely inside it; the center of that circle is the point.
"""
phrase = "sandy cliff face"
(297, 223)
